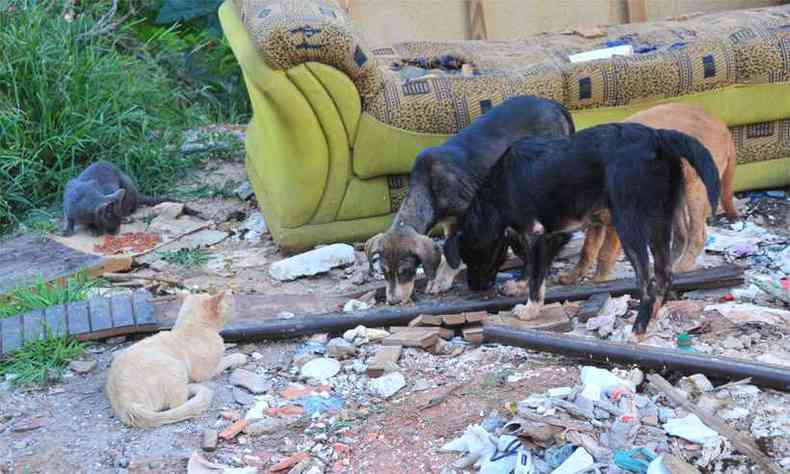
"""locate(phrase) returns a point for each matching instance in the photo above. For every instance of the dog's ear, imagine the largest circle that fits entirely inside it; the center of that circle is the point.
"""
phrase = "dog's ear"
(372, 249)
(429, 254)
(116, 200)
(451, 250)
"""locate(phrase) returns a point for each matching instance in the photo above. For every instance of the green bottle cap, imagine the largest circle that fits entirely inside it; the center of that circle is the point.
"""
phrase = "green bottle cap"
(683, 339)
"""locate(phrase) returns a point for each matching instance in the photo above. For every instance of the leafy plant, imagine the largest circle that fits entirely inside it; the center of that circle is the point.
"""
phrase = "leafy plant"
(70, 95)
(39, 361)
(43, 295)
(185, 257)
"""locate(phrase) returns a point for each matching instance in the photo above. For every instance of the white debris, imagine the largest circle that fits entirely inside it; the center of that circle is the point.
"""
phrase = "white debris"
(740, 313)
(310, 263)
(692, 429)
(560, 392)
(254, 227)
(354, 305)
(320, 369)
(256, 412)
(604, 379)
(388, 385)
(577, 462)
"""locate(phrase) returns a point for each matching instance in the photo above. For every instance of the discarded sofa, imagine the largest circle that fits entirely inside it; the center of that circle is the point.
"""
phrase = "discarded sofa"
(336, 124)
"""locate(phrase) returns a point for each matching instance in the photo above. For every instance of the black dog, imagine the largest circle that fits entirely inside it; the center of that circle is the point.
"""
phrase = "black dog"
(444, 181)
(555, 184)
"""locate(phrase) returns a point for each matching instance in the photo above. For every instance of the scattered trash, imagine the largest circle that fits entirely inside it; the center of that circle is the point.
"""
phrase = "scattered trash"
(354, 305)
(199, 465)
(578, 462)
(244, 191)
(635, 460)
(316, 404)
(691, 428)
(740, 313)
(320, 260)
(254, 228)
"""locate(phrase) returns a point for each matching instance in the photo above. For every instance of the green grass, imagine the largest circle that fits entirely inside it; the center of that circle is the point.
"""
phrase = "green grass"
(43, 295)
(185, 257)
(40, 361)
(69, 98)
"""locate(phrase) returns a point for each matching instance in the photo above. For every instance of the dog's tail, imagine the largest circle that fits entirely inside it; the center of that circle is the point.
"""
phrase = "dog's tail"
(680, 145)
(195, 406)
(727, 182)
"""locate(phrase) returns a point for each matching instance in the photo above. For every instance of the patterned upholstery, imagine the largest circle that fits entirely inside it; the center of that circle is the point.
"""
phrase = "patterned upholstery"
(762, 141)
(673, 58)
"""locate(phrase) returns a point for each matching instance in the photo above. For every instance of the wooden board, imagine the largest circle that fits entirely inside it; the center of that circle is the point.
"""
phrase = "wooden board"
(30, 258)
(84, 320)
(552, 318)
(413, 337)
(384, 357)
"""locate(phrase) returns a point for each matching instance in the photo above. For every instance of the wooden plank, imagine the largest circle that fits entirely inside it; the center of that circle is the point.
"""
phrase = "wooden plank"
(122, 312)
(30, 258)
(473, 334)
(78, 318)
(637, 11)
(101, 318)
(446, 333)
(454, 320)
(477, 20)
(742, 442)
(56, 320)
(12, 333)
(144, 313)
(385, 358)
(34, 325)
(552, 318)
(430, 320)
(476, 316)
(413, 337)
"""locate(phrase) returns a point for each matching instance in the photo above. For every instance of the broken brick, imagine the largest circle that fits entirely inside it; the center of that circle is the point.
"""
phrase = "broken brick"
(233, 430)
(289, 462)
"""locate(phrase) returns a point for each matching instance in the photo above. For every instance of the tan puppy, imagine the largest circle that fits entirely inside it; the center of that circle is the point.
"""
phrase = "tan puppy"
(149, 383)
(689, 233)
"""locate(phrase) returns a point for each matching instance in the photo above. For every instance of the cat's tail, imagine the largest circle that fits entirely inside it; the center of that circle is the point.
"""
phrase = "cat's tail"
(144, 200)
(196, 405)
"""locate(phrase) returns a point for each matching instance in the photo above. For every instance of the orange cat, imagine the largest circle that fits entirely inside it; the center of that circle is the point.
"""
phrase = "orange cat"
(149, 383)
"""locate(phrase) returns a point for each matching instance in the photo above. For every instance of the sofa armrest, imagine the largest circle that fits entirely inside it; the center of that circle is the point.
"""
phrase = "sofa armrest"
(293, 32)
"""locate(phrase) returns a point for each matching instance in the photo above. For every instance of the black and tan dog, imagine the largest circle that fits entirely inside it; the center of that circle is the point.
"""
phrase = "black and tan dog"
(442, 183)
(555, 184)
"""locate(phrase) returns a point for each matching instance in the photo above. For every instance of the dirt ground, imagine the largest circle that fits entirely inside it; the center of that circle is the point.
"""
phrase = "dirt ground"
(68, 426)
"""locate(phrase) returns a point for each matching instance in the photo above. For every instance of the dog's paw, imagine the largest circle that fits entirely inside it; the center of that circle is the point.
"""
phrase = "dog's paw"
(528, 311)
(515, 288)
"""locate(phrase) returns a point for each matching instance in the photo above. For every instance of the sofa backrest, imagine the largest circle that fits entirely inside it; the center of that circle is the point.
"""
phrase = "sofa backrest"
(291, 32)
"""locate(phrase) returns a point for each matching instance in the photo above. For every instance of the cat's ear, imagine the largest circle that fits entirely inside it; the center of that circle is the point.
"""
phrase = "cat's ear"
(216, 303)
(116, 201)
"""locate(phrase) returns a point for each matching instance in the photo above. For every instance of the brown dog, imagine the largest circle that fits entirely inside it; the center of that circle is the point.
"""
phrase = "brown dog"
(689, 234)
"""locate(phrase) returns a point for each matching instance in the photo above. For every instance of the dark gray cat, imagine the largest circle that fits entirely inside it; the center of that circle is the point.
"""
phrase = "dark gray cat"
(101, 196)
